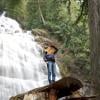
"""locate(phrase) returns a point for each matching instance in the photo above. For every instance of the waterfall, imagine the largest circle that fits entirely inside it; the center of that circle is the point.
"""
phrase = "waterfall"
(21, 60)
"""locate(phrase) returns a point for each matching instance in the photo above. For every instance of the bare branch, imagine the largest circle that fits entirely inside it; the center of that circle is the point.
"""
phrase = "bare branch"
(69, 4)
(83, 7)
(41, 14)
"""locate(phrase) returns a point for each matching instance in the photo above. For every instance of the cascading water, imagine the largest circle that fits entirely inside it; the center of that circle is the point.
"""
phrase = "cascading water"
(21, 64)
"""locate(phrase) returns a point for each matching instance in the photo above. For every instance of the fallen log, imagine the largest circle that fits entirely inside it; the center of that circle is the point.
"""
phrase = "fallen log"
(58, 89)
(82, 98)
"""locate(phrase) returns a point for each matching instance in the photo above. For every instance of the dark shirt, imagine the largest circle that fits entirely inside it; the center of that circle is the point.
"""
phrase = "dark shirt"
(49, 57)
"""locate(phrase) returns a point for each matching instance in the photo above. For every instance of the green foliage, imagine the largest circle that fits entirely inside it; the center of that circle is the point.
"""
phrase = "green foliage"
(59, 17)
(74, 37)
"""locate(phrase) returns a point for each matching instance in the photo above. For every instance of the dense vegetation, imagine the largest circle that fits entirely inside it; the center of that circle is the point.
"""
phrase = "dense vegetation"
(66, 20)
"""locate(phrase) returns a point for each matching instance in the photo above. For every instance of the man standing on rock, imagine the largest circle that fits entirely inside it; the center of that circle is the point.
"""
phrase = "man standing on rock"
(49, 58)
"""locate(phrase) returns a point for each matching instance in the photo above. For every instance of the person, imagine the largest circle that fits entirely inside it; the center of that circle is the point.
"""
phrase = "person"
(49, 58)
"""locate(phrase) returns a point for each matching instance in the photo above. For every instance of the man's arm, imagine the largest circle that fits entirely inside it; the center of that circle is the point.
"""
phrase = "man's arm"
(45, 58)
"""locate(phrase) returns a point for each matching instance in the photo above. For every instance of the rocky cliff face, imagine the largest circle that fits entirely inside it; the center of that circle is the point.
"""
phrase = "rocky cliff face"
(65, 60)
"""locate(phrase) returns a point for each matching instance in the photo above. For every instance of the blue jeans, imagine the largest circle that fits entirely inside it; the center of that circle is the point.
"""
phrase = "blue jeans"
(51, 71)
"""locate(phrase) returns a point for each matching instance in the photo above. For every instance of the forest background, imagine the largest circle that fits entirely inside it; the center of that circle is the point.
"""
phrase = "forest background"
(66, 22)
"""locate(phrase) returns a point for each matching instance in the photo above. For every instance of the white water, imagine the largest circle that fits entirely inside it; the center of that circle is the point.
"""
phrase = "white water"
(21, 64)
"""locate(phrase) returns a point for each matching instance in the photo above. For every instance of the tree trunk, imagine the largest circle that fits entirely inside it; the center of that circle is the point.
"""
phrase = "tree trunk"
(41, 14)
(94, 26)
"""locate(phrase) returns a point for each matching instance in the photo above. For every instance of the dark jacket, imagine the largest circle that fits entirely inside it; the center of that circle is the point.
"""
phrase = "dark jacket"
(49, 57)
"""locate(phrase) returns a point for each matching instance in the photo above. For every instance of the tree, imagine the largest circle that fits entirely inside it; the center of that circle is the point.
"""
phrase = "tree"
(41, 14)
(94, 26)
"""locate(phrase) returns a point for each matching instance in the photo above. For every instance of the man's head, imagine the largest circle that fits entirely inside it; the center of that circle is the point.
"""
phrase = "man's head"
(54, 49)
(51, 49)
